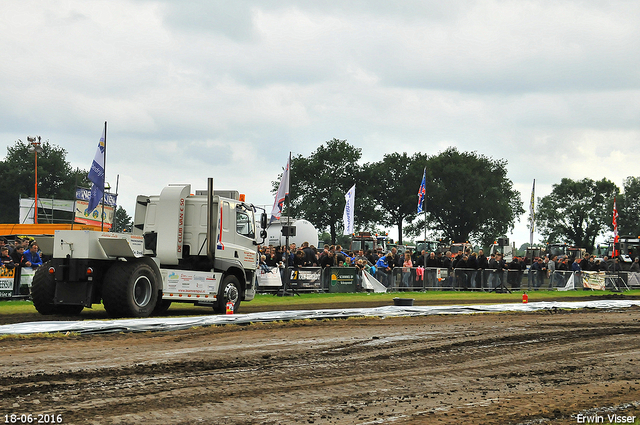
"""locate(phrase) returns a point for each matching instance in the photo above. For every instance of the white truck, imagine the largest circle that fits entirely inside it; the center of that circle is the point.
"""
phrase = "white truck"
(301, 231)
(199, 249)
(502, 246)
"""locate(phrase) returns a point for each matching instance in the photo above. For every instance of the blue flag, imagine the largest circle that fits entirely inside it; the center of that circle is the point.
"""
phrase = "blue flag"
(422, 191)
(96, 174)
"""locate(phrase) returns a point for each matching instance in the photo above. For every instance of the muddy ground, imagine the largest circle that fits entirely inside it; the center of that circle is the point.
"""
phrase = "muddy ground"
(507, 368)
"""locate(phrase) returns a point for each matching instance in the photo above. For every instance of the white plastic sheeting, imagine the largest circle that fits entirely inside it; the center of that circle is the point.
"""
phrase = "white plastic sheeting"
(178, 323)
(371, 283)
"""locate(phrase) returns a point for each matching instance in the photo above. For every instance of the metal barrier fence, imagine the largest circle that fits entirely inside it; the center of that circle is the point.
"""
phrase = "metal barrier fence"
(348, 279)
(423, 279)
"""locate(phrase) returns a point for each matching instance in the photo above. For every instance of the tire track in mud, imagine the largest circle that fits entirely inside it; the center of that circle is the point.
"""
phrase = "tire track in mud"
(388, 373)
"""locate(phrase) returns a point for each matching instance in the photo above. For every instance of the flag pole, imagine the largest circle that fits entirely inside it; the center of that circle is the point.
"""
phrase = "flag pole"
(425, 204)
(532, 212)
(287, 274)
(287, 199)
(104, 178)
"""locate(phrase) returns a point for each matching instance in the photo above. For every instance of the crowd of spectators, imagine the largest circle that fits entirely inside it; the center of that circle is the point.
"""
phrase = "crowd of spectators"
(19, 253)
(465, 267)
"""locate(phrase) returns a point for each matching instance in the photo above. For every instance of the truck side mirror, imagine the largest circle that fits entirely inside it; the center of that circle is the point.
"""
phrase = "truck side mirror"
(263, 222)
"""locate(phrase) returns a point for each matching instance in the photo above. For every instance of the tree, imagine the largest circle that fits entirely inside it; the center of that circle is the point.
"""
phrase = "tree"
(576, 212)
(56, 178)
(469, 197)
(628, 205)
(394, 184)
(121, 220)
(319, 183)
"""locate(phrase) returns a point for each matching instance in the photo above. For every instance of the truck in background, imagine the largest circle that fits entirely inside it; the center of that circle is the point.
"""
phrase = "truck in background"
(502, 246)
(299, 231)
(368, 241)
(627, 249)
(431, 246)
(199, 249)
(565, 250)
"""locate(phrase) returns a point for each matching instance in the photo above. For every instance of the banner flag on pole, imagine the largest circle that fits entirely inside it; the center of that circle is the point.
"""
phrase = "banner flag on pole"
(347, 216)
(283, 191)
(96, 173)
(532, 211)
(615, 227)
(422, 191)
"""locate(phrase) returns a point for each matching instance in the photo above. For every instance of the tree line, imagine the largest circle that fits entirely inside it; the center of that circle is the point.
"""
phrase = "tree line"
(579, 211)
(468, 195)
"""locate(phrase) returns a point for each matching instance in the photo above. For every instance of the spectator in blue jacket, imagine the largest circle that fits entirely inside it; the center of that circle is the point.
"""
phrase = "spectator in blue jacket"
(383, 269)
(31, 255)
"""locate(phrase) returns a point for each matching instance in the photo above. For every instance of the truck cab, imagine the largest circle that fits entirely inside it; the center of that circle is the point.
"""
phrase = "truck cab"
(200, 249)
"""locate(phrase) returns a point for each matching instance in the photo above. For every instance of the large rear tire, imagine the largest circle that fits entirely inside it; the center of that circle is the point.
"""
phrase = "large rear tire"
(228, 291)
(130, 289)
(43, 290)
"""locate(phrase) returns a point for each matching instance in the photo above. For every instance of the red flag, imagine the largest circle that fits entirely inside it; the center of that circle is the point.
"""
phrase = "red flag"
(615, 228)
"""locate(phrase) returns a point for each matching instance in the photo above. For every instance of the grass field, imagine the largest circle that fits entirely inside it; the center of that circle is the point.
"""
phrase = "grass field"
(344, 300)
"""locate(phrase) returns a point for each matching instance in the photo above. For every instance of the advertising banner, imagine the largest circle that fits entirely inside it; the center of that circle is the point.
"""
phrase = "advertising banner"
(269, 279)
(7, 277)
(594, 280)
(93, 217)
(305, 278)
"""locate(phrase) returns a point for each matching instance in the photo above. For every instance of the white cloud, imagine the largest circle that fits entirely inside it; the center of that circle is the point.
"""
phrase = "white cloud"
(200, 89)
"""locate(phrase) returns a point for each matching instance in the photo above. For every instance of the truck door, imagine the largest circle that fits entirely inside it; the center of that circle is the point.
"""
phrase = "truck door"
(245, 235)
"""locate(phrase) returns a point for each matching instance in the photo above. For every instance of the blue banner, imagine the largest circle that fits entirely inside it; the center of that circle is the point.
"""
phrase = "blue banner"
(84, 194)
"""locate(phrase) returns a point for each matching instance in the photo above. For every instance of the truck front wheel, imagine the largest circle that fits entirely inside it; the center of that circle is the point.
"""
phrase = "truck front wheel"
(130, 289)
(229, 291)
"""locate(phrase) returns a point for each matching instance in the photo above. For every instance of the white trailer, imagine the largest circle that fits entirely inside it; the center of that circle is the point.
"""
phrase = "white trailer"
(199, 249)
(304, 232)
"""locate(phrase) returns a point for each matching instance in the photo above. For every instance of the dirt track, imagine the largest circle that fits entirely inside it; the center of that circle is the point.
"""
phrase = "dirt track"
(472, 369)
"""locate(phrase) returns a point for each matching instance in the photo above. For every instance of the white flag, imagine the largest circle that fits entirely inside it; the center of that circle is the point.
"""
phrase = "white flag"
(347, 216)
(283, 191)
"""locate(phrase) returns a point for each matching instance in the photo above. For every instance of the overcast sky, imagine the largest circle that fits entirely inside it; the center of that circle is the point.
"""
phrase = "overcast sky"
(193, 89)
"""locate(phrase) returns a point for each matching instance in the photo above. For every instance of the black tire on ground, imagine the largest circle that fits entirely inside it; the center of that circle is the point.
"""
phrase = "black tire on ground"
(43, 290)
(130, 289)
(161, 307)
(228, 291)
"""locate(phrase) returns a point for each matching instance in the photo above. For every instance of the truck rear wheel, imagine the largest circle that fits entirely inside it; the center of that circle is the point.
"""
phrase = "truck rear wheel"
(130, 289)
(43, 290)
(228, 291)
